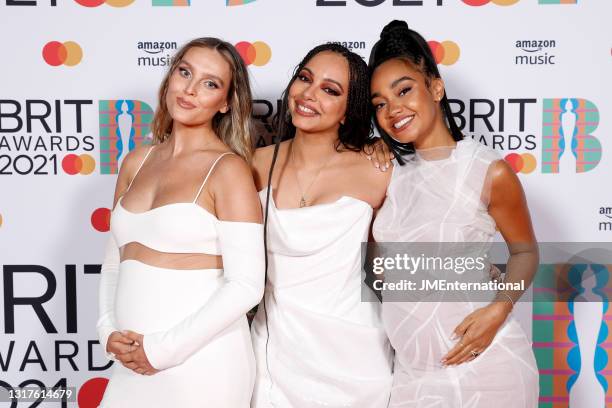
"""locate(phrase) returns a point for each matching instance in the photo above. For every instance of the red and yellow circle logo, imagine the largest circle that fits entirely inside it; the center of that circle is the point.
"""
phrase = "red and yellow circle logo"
(477, 3)
(68, 53)
(445, 52)
(521, 163)
(81, 164)
(257, 53)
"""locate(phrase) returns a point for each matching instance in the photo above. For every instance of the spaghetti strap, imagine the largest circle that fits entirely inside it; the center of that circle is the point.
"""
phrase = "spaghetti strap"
(137, 171)
(209, 173)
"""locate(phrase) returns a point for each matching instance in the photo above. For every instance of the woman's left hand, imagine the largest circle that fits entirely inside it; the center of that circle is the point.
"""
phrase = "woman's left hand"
(138, 361)
(379, 154)
(476, 332)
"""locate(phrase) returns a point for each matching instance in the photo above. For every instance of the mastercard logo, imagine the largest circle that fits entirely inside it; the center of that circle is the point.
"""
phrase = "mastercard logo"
(258, 53)
(56, 53)
(445, 52)
(81, 164)
(96, 3)
(0, 220)
(100, 219)
(477, 3)
(521, 163)
(237, 2)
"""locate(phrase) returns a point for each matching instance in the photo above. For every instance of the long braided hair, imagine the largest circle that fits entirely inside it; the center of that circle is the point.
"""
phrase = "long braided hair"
(399, 41)
(354, 134)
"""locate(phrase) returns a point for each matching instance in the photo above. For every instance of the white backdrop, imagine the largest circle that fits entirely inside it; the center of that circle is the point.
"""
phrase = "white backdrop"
(530, 68)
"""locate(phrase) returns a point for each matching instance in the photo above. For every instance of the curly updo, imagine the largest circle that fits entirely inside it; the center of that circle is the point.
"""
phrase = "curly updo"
(399, 41)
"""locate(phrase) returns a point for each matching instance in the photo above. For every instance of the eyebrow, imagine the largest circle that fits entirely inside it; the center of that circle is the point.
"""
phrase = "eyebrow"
(206, 74)
(326, 79)
(394, 84)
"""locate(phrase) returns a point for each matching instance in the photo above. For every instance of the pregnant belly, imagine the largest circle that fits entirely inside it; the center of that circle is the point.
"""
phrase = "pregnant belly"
(150, 299)
(420, 333)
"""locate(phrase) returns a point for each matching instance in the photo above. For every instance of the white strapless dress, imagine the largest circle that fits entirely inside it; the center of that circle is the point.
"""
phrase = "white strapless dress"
(319, 345)
(438, 199)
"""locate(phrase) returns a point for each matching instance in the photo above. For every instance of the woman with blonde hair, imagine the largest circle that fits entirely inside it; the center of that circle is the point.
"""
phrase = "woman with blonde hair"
(185, 260)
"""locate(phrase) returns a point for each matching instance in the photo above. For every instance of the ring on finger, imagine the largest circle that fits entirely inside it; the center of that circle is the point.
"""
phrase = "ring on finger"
(474, 353)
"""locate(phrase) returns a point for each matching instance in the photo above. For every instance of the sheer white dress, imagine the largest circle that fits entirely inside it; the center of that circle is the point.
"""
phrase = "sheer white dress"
(438, 197)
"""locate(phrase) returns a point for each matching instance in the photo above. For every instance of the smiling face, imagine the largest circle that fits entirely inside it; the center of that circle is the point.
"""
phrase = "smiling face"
(406, 104)
(198, 87)
(318, 95)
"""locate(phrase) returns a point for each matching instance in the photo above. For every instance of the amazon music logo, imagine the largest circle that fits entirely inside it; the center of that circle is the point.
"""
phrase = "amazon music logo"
(155, 53)
(535, 52)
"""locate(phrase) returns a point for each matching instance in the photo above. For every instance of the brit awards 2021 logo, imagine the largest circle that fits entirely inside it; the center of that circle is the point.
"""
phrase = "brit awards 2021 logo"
(44, 137)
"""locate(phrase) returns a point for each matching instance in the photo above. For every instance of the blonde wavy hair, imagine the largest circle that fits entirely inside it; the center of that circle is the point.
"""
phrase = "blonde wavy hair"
(232, 127)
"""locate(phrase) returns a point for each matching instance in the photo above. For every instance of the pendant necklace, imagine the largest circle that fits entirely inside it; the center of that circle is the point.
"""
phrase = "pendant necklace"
(303, 192)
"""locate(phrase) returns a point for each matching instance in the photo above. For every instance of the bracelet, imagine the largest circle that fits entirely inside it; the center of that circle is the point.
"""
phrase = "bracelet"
(509, 298)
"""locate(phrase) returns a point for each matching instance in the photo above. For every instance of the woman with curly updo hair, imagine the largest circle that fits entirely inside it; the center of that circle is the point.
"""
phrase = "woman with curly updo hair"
(466, 351)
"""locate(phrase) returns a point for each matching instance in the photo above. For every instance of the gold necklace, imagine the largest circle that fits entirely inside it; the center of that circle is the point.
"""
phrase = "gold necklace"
(303, 192)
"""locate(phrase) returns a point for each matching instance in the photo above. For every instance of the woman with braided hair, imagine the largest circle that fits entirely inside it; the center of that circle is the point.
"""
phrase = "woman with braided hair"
(447, 189)
(317, 344)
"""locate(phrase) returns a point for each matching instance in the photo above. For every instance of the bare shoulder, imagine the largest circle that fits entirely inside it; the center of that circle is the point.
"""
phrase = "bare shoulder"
(505, 185)
(262, 160)
(368, 171)
(129, 165)
(233, 190)
(368, 183)
(133, 159)
(263, 154)
(232, 177)
(501, 174)
(232, 168)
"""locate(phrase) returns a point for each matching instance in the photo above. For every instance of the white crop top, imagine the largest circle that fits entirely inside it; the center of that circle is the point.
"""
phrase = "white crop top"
(174, 228)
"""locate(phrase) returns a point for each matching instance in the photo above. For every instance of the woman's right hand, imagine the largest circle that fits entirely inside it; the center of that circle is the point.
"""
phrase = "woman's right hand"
(119, 344)
(379, 154)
